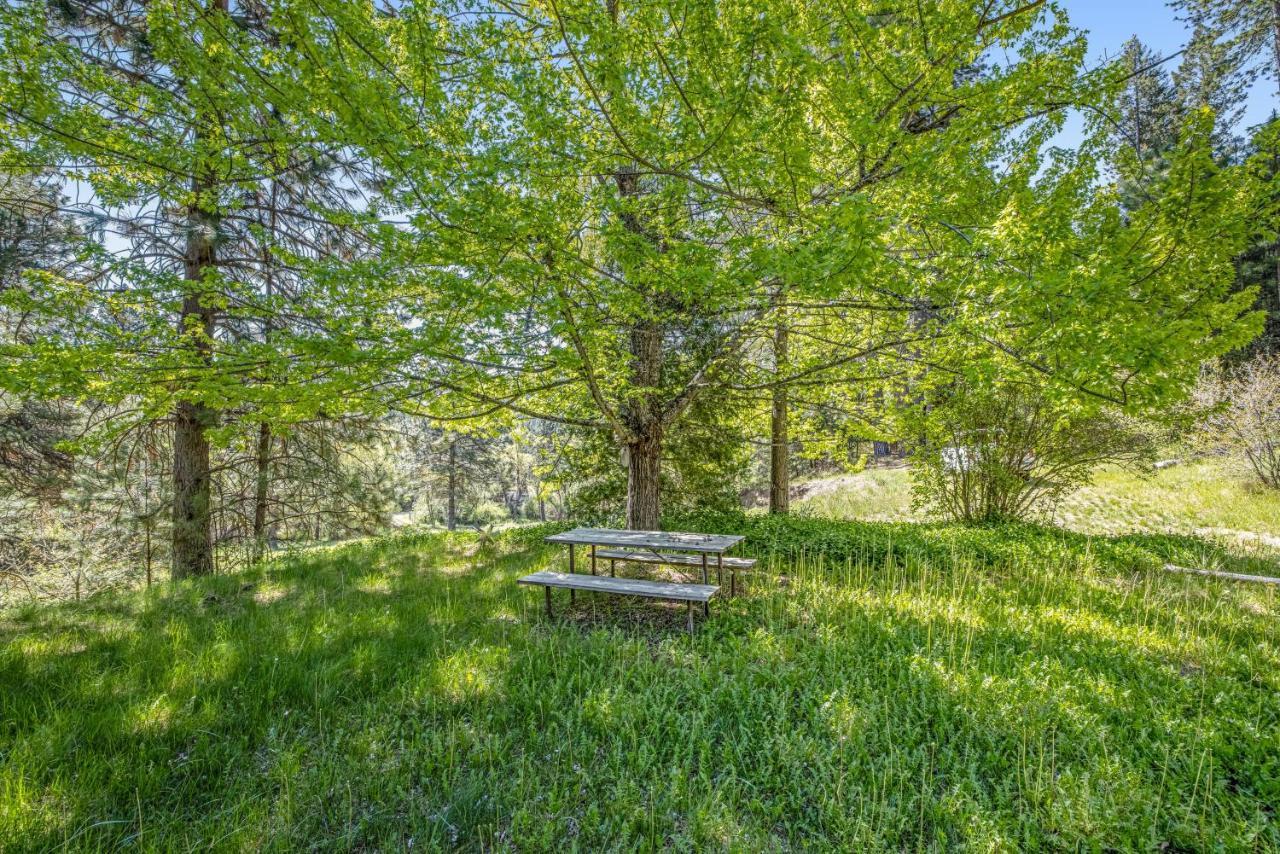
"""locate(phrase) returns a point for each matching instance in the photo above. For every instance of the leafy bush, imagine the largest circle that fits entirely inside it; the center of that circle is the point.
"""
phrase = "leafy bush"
(526, 536)
(1242, 407)
(1005, 452)
(487, 513)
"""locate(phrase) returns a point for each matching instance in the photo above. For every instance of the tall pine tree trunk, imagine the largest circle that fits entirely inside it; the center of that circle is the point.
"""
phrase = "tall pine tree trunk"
(1275, 40)
(192, 502)
(192, 498)
(262, 491)
(779, 451)
(262, 484)
(451, 510)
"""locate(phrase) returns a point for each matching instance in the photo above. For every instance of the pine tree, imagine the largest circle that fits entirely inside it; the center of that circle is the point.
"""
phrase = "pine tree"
(1206, 77)
(36, 234)
(186, 129)
(1146, 118)
(1249, 31)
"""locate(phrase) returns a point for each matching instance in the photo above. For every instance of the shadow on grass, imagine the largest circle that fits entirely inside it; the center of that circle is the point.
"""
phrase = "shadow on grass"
(408, 693)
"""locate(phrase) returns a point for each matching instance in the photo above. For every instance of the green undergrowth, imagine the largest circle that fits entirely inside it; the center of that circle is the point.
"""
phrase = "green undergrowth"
(786, 538)
(876, 687)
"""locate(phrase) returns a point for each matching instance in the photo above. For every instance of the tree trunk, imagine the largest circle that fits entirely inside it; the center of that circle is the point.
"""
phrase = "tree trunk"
(192, 504)
(520, 483)
(192, 544)
(262, 486)
(643, 412)
(262, 491)
(642, 415)
(146, 533)
(451, 510)
(779, 451)
(644, 464)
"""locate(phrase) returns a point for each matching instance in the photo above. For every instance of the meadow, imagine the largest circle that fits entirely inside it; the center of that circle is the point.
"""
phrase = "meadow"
(878, 686)
(1212, 498)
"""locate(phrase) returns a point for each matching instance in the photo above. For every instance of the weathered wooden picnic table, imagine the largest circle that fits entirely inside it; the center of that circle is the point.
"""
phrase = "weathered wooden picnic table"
(676, 548)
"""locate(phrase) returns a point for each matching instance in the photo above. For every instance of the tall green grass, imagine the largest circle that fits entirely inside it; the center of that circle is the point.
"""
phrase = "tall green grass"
(877, 687)
(874, 494)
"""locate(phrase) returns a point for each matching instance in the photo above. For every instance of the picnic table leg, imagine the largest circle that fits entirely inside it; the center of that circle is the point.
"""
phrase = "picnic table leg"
(593, 558)
(547, 588)
(572, 598)
(613, 568)
(719, 568)
(706, 606)
(690, 619)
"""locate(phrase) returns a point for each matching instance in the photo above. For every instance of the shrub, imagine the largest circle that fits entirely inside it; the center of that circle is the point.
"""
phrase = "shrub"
(1242, 414)
(1006, 452)
(487, 513)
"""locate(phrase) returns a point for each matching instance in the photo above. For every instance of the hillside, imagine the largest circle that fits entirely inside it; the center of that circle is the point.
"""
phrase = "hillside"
(879, 686)
(1209, 498)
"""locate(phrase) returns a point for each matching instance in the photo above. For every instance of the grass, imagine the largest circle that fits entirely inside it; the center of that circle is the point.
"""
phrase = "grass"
(1208, 498)
(880, 686)
(874, 494)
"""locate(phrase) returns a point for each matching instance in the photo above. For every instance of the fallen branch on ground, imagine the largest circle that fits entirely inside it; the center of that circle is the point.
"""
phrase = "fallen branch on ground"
(1236, 576)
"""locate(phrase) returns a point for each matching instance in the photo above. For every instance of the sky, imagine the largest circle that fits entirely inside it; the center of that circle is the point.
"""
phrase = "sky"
(1110, 23)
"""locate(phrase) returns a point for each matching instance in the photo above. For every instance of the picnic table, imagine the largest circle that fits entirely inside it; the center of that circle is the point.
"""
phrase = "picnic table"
(675, 548)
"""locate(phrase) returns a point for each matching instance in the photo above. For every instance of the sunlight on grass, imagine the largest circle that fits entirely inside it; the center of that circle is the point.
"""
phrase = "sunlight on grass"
(1210, 499)
(876, 494)
(471, 674)
(891, 688)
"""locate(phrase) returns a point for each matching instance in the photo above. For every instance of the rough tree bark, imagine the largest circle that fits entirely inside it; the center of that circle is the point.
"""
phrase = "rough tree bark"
(779, 452)
(644, 418)
(451, 508)
(262, 491)
(644, 467)
(192, 503)
(643, 411)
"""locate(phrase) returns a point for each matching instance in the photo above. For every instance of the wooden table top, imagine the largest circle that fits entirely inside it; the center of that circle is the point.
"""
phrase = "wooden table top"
(674, 540)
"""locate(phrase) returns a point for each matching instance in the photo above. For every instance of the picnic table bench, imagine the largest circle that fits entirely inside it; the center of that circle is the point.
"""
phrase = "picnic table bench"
(651, 547)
